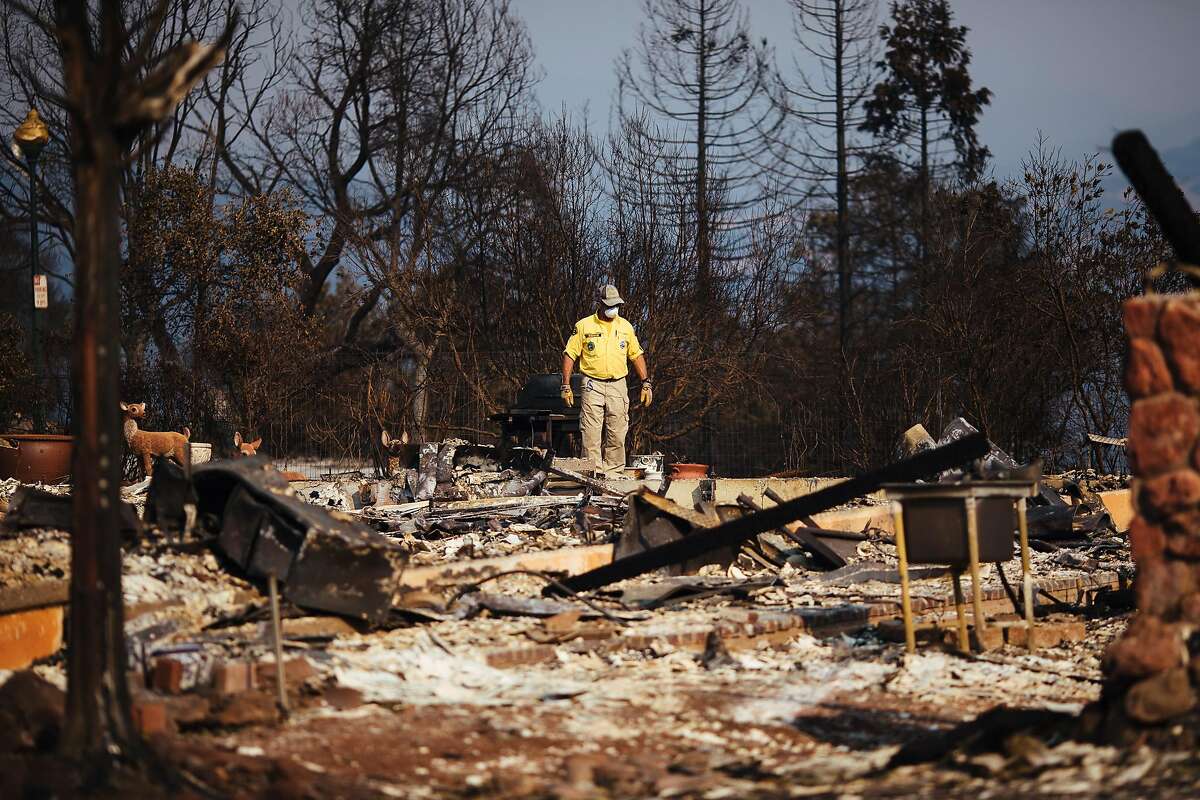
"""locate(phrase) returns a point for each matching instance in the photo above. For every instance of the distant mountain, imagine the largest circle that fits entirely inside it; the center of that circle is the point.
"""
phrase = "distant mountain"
(1182, 162)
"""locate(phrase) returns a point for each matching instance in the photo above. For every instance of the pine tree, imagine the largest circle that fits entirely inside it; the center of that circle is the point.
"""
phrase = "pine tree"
(925, 99)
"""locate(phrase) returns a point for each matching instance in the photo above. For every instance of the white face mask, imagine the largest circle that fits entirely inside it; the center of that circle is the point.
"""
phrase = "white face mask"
(611, 313)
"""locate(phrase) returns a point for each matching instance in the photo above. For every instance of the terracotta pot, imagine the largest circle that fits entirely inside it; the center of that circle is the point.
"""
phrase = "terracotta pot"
(684, 471)
(36, 457)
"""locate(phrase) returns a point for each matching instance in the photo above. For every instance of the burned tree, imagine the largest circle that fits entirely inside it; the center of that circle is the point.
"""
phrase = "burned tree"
(393, 108)
(828, 102)
(697, 70)
(196, 137)
(650, 249)
(699, 74)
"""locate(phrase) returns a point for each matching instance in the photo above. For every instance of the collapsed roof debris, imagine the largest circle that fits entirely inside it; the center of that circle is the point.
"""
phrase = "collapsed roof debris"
(324, 562)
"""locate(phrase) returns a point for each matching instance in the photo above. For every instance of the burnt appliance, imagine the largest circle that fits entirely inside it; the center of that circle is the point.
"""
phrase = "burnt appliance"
(539, 418)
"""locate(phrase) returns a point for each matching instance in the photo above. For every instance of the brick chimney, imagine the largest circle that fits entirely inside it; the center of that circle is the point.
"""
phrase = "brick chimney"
(1151, 676)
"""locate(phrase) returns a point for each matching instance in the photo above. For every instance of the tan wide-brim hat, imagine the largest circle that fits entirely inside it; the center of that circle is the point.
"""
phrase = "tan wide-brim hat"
(609, 296)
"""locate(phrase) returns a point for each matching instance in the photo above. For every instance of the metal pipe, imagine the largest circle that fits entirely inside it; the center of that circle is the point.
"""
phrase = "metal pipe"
(35, 344)
(277, 636)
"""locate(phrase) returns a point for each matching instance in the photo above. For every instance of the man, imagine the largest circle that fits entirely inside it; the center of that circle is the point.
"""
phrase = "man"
(604, 344)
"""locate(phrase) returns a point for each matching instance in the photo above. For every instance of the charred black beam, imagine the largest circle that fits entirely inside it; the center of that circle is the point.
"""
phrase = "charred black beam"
(736, 531)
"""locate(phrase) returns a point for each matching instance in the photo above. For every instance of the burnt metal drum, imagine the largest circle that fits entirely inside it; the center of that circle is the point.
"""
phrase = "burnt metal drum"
(935, 519)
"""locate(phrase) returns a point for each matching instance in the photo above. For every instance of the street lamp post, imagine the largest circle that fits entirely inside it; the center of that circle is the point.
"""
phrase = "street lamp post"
(29, 139)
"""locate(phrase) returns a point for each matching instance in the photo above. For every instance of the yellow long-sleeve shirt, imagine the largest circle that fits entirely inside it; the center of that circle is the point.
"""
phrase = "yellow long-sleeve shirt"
(603, 347)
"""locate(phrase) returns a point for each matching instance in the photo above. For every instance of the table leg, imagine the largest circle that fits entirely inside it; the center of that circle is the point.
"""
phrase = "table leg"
(973, 553)
(910, 637)
(960, 608)
(1026, 571)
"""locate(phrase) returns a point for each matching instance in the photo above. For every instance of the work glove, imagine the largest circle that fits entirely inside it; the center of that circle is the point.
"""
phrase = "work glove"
(647, 395)
(568, 397)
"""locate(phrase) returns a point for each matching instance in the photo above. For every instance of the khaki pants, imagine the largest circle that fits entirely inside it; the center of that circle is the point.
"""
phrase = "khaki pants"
(604, 409)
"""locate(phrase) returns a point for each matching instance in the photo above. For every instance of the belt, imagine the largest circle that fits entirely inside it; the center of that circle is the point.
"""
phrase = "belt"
(605, 380)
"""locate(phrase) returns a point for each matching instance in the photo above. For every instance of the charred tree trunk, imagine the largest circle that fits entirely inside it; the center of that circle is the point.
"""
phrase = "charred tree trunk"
(843, 212)
(703, 232)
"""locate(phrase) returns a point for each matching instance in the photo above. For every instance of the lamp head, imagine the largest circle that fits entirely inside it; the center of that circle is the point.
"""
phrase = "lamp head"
(32, 134)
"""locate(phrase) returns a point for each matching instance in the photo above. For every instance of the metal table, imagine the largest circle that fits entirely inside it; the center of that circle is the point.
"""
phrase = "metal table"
(949, 518)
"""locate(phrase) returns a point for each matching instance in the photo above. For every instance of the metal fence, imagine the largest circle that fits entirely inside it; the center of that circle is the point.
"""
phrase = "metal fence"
(808, 429)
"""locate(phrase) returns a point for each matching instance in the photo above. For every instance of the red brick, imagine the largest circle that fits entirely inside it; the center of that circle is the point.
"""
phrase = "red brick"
(1183, 545)
(1160, 697)
(297, 670)
(1044, 635)
(1159, 585)
(248, 708)
(231, 677)
(1146, 540)
(1048, 633)
(1140, 315)
(520, 656)
(1146, 371)
(150, 716)
(1179, 331)
(1162, 431)
(188, 708)
(892, 630)
(342, 697)
(990, 638)
(1148, 646)
(1071, 630)
(1184, 522)
(1168, 493)
(1189, 608)
(167, 676)
(1152, 594)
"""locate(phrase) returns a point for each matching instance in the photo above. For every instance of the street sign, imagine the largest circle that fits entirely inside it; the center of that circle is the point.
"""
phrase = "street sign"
(41, 293)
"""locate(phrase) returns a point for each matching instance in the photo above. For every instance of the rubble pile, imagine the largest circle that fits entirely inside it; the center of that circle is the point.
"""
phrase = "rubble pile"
(434, 647)
(455, 469)
(464, 501)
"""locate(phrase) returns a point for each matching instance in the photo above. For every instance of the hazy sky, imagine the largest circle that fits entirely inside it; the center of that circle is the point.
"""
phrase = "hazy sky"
(1078, 70)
